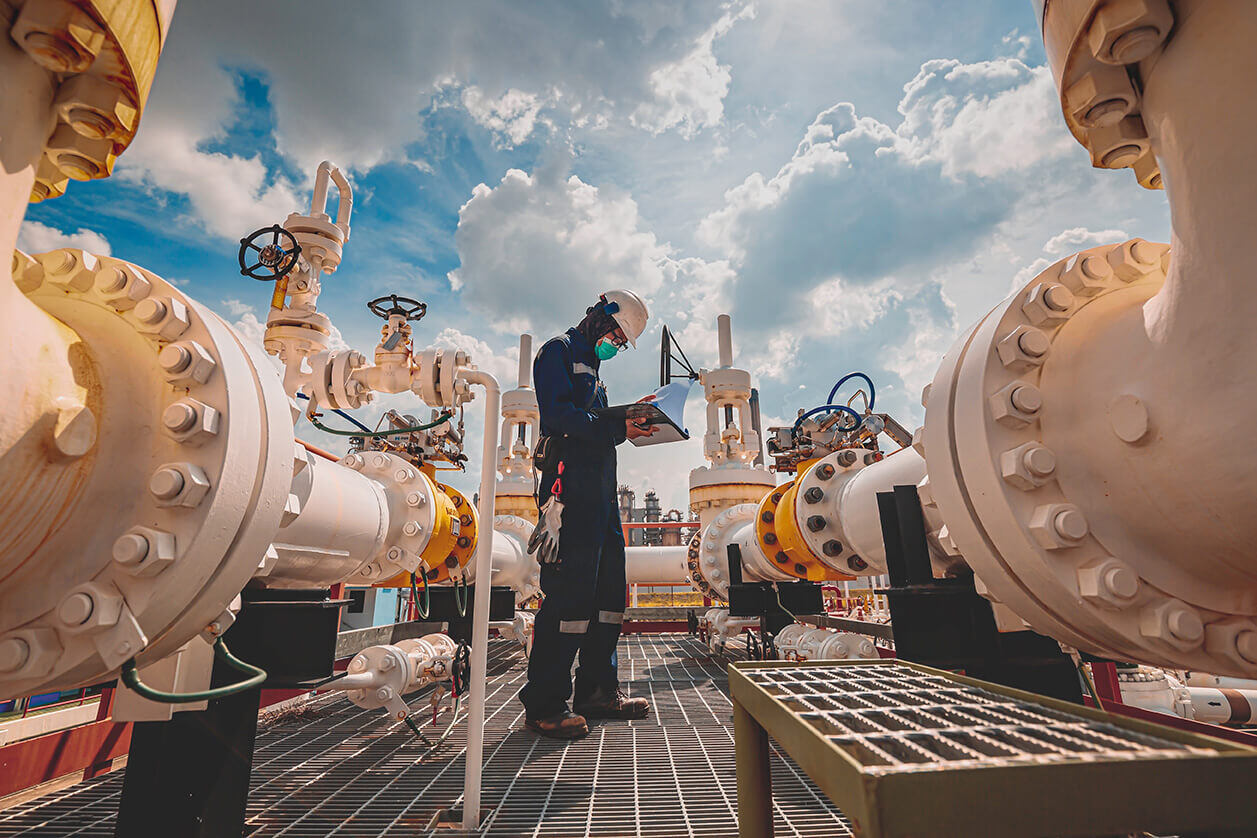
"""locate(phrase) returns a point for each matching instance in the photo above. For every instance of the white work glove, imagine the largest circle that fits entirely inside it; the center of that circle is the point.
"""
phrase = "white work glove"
(545, 536)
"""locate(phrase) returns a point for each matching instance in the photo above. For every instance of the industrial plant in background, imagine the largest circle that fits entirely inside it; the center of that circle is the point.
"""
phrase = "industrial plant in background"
(1077, 500)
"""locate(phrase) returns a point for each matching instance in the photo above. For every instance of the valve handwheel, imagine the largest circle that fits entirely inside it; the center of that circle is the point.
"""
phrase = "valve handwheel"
(405, 306)
(266, 260)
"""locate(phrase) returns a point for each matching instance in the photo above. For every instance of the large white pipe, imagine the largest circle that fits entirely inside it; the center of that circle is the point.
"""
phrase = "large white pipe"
(480, 616)
(343, 522)
(656, 565)
(858, 513)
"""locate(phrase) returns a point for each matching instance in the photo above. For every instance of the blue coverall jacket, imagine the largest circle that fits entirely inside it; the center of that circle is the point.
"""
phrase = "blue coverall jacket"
(584, 593)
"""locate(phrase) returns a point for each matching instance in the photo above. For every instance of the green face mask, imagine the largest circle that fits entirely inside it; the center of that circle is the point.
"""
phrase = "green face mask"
(605, 350)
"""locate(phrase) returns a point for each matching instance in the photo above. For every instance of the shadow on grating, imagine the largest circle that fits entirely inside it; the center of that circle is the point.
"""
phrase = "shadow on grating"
(337, 770)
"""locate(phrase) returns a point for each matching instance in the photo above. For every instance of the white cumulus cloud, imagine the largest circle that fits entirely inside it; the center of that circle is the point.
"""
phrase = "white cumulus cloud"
(34, 237)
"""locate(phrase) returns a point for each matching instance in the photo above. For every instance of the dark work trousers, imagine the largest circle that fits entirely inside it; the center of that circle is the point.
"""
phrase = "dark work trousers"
(584, 594)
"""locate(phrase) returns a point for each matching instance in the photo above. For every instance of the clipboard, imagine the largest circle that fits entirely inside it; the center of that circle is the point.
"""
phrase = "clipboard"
(663, 413)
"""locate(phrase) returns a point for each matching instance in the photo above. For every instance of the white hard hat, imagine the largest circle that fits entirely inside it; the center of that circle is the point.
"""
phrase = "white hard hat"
(629, 311)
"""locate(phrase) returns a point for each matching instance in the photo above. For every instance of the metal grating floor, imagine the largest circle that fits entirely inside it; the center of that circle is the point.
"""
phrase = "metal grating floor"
(348, 772)
(892, 718)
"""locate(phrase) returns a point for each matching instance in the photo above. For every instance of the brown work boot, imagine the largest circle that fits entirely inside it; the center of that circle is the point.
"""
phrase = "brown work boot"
(565, 725)
(613, 705)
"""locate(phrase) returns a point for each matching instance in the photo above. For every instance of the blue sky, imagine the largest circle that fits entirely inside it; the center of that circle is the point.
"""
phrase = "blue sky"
(855, 182)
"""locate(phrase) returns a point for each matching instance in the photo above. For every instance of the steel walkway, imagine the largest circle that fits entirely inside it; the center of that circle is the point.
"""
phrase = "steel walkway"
(333, 769)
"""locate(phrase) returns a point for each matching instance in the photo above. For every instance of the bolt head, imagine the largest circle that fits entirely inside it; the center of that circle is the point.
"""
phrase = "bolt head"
(814, 495)
(166, 483)
(1048, 304)
(1086, 275)
(1058, 525)
(1135, 259)
(1172, 622)
(163, 317)
(846, 458)
(1028, 466)
(1128, 32)
(825, 471)
(1016, 405)
(1128, 416)
(178, 417)
(14, 653)
(186, 361)
(833, 547)
(89, 607)
(816, 523)
(1023, 348)
(857, 563)
(1109, 583)
(179, 484)
(58, 36)
(130, 548)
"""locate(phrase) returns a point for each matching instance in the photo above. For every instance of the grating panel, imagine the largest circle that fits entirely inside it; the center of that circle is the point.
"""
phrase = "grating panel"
(891, 718)
(336, 770)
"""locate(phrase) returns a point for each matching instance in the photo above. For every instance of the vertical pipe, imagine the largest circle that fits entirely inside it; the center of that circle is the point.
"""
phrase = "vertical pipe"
(480, 606)
(318, 198)
(725, 330)
(525, 360)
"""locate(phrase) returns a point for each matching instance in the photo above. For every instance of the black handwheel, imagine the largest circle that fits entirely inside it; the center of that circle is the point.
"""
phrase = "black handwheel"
(268, 253)
(405, 306)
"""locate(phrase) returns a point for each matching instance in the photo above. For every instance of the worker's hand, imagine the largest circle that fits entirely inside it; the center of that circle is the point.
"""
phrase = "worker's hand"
(632, 430)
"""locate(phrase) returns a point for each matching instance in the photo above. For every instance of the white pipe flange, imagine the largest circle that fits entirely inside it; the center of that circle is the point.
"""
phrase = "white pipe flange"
(159, 530)
(1022, 411)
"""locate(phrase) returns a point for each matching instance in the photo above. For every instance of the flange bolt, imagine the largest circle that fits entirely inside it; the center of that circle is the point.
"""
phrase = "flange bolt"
(825, 471)
(846, 458)
(130, 549)
(833, 547)
(14, 652)
(1185, 624)
(166, 483)
(816, 523)
(75, 609)
(814, 495)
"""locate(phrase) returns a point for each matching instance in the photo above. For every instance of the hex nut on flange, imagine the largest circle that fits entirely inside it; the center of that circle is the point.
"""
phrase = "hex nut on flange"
(69, 270)
(58, 36)
(1134, 259)
(1101, 96)
(163, 317)
(30, 652)
(1234, 640)
(1172, 622)
(144, 551)
(79, 157)
(94, 108)
(89, 607)
(1109, 583)
(1023, 348)
(186, 361)
(1118, 145)
(1086, 275)
(1028, 466)
(27, 273)
(121, 286)
(1128, 31)
(1016, 405)
(1058, 525)
(1048, 303)
(179, 484)
(190, 421)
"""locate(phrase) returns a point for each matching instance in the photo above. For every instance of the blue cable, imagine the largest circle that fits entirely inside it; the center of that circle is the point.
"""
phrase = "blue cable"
(342, 414)
(828, 408)
(848, 377)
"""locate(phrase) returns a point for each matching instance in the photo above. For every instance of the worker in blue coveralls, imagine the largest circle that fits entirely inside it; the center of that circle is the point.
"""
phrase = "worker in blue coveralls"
(584, 588)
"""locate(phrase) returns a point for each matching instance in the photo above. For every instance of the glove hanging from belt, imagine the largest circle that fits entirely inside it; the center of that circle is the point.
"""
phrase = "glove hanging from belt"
(544, 541)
